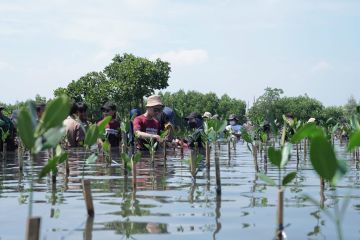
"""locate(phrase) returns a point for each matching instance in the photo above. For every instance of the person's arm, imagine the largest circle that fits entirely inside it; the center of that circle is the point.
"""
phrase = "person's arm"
(144, 135)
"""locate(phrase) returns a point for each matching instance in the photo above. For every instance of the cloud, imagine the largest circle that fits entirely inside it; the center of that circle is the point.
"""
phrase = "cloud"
(183, 57)
(320, 66)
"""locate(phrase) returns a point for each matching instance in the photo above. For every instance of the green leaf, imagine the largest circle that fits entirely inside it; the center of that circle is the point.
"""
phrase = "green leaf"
(103, 124)
(106, 146)
(125, 157)
(246, 136)
(92, 135)
(354, 141)
(91, 159)
(26, 128)
(288, 178)
(323, 157)
(62, 158)
(274, 156)
(309, 130)
(266, 179)
(285, 154)
(137, 157)
(55, 113)
(50, 166)
(52, 137)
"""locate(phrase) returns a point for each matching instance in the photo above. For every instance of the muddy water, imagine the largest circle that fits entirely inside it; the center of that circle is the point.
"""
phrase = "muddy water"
(166, 203)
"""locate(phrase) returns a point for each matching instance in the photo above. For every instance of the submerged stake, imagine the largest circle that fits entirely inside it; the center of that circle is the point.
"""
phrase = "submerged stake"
(88, 197)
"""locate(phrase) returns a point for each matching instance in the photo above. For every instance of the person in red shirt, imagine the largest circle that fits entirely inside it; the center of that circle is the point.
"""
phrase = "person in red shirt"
(112, 128)
(146, 126)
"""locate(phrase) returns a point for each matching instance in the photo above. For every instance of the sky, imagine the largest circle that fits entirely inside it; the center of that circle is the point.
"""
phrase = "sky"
(237, 47)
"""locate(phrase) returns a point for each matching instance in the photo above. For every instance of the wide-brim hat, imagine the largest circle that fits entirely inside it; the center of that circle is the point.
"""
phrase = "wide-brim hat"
(232, 117)
(193, 115)
(153, 101)
(207, 115)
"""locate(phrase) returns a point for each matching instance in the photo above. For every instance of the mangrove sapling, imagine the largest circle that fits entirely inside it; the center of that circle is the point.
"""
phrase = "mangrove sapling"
(279, 158)
(91, 136)
(250, 145)
(151, 146)
(208, 135)
(124, 129)
(4, 136)
(327, 166)
(194, 163)
(106, 147)
(41, 135)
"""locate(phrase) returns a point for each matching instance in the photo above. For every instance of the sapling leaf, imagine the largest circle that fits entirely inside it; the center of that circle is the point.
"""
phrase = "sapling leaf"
(137, 157)
(309, 130)
(62, 158)
(323, 157)
(285, 154)
(91, 159)
(354, 140)
(246, 136)
(54, 114)
(155, 145)
(274, 156)
(52, 137)
(49, 167)
(288, 178)
(26, 128)
(92, 135)
(266, 179)
(106, 146)
(125, 157)
(340, 171)
(102, 125)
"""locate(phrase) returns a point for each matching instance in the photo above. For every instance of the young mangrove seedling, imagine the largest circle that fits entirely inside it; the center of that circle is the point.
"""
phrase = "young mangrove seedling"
(151, 146)
(194, 163)
(129, 164)
(326, 165)
(4, 135)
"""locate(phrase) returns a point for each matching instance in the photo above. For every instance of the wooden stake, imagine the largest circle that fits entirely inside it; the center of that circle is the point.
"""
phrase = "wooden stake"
(88, 197)
(88, 228)
(33, 228)
(255, 158)
(164, 152)
(229, 148)
(4, 150)
(217, 174)
(133, 175)
(193, 164)
(280, 215)
(67, 168)
(207, 155)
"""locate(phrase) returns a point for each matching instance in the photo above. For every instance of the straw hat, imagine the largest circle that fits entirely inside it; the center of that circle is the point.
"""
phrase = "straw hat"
(311, 120)
(154, 100)
(207, 115)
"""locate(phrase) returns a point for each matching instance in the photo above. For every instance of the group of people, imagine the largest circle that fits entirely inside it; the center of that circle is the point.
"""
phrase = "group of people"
(156, 124)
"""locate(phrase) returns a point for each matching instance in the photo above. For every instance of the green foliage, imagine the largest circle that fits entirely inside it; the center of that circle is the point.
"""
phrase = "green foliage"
(91, 135)
(4, 134)
(51, 166)
(323, 157)
(309, 130)
(266, 179)
(55, 113)
(91, 159)
(288, 178)
(192, 101)
(274, 156)
(26, 126)
(354, 140)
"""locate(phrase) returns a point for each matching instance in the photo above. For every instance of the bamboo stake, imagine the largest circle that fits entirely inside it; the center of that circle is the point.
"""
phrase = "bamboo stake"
(229, 148)
(164, 153)
(4, 150)
(207, 155)
(88, 197)
(133, 169)
(193, 164)
(88, 228)
(322, 195)
(33, 228)
(217, 174)
(255, 158)
(280, 235)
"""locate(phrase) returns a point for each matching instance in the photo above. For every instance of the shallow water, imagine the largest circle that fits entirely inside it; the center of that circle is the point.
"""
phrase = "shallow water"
(167, 205)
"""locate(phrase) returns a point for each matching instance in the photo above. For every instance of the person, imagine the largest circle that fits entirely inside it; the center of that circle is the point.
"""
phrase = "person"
(166, 120)
(146, 126)
(7, 127)
(40, 108)
(233, 128)
(196, 125)
(75, 132)
(82, 114)
(112, 128)
(207, 115)
(133, 114)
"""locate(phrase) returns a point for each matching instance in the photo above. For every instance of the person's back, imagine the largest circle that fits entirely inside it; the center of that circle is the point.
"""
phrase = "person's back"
(75, 133)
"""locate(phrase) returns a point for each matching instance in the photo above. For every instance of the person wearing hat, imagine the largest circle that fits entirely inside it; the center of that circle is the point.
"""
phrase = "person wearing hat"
(7, 126)
(207, 115)
(166, 119)
(233, 128)
(146, 126)
(196, 124)
(75, 133)
(112, 128)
